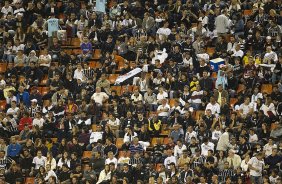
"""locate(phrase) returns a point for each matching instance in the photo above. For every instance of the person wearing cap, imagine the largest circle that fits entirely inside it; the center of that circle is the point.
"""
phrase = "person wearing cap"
(34, 107)
(31, 56)
(269, 42)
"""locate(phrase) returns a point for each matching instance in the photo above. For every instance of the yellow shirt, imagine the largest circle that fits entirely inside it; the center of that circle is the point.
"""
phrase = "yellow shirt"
(8, 89)
(193, 85)
(257, 61)
(246, 60)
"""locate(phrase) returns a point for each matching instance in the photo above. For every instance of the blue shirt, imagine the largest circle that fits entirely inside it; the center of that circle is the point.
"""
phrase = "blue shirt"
(86, 47)
(53, 25)
(101, 6)
(14, 150)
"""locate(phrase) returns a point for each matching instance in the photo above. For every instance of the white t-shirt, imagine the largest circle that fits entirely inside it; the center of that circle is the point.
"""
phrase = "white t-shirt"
(114, 160)
(161, 107)
(78, 74)
(38, 122)
(253, 138)
(116, 122)
(13, 111)
(95, 136)
(136, 98)
(162, 96)
(258, 164)
(178, 151)
(256, 97)
(268, 149)
(45, 58)
(123, 160)
(238, 53)
(169, 160)
(246, 108)
(127, 138)
(215, 109)
(206, 147)
(39, 161)
(98, 97)
(164, 31)
(244, 166)
(216, 134)
(5, 10)
(189, 135)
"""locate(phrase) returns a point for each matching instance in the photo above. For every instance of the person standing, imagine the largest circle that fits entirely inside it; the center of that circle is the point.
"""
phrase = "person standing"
(256, 165)
(52, 28)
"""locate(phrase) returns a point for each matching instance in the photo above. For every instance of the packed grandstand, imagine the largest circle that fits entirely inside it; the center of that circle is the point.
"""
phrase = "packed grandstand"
(140, 92)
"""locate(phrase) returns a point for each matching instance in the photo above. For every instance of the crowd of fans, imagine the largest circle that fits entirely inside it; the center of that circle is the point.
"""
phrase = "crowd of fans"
(183, 119)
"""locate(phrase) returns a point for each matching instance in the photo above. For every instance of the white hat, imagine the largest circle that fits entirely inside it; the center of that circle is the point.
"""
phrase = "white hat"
(268, 37)
(34, 100)
(19, 14)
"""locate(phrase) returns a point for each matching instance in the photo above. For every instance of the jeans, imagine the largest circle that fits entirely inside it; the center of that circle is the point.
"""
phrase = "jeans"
(276, 77)
(85, 58)
(256, 179)
(8, 58)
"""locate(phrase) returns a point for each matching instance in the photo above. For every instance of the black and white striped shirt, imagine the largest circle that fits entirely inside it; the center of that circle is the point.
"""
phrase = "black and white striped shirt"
(199, 161)
(5, 163)
(225, 173)
(134, 161)
(88, 73)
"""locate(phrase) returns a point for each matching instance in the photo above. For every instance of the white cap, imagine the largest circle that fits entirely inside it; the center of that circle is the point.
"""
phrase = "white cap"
(34, 100)
(19, 14)
(268, 37)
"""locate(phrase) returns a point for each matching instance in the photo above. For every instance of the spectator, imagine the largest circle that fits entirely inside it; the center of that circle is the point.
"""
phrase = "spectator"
(256, 165)
(87, 50)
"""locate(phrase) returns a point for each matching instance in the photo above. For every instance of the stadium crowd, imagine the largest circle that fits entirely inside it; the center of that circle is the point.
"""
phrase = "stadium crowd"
(199, 97)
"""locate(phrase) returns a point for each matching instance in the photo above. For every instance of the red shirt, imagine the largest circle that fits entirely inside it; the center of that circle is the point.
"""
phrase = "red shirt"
(23, 121)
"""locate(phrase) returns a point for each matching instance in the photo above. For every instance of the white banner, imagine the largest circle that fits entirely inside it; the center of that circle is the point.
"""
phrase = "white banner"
(128, 75)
